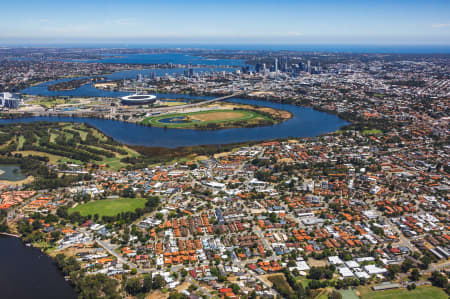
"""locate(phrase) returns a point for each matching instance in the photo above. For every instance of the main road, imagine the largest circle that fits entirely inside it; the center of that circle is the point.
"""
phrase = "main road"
(112, 110)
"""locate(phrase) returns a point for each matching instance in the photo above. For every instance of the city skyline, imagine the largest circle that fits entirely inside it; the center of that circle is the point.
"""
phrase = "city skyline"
(243, 22)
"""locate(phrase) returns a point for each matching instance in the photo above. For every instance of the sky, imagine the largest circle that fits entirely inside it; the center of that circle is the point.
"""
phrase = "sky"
(412, 22)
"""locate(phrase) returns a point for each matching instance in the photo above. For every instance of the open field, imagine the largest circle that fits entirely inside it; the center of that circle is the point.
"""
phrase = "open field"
(219, 116)
(213, 119)
(420, 292)
(47, 102)
(109, 207)
(348, 294)
(274, 112)
(172, 103)
(372, 132)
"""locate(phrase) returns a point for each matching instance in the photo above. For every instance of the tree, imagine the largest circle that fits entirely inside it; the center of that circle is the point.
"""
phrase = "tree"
(158, 282)
(393, 270)
(133, 286)
(148, 283)
(406, 265)
(439, 280)
(128, 193)
(426, 261)
(176, 295)
(415, 274)
(235, 288)
(334, 295)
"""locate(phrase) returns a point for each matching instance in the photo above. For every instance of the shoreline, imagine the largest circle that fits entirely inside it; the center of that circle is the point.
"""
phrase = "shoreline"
(10, 235)
(26, 180)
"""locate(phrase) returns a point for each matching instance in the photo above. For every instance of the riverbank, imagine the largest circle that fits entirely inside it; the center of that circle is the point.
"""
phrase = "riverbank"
(305, 122)
(219, 116)
(25, 181)
(9, 235)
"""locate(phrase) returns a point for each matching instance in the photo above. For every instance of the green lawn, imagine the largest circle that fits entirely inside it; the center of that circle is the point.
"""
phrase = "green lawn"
(372, 132)
(419, 293)
(109, 207)
(21, 141)
(241, 115)
(348, 294)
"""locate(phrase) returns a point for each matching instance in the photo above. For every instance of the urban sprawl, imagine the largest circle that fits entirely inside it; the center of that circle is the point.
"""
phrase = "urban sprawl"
(363, 209)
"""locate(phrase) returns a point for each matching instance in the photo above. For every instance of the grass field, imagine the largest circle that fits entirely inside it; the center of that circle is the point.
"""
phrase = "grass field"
(109, 207)
(348, 294)
(200, 119)
(424, 292)
(372, 132)
(49, 102)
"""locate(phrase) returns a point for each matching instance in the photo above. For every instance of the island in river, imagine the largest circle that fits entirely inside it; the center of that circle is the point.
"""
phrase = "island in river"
(73, 84)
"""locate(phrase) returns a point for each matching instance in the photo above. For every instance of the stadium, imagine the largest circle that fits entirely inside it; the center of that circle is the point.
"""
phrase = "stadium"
(138, 99)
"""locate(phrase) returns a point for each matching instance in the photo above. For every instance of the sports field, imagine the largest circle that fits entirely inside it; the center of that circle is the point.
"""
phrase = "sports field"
(419, 292)
(109, 207)
(199, 119)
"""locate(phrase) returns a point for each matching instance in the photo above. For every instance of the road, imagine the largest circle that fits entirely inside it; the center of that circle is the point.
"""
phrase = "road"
(127, 111)
(118, 256)
(200, 288)
(437, 267)
(403, 241)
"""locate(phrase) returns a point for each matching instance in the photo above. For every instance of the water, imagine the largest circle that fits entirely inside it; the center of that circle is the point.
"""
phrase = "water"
(173, 120)
(27, 273)
(306, 122)
(11, 173)
(174, 58)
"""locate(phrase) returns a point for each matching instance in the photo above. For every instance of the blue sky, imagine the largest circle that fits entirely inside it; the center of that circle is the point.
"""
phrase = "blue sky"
(227, 21)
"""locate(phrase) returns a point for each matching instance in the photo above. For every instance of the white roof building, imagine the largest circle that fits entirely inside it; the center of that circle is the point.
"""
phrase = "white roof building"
(372, 269)
(345, 272)
(335, 260)
(361, 274)
(352, 264)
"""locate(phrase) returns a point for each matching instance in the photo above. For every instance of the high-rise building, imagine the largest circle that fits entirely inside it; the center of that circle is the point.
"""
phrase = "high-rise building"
(276, 65)
(10, 100)
(258, 68)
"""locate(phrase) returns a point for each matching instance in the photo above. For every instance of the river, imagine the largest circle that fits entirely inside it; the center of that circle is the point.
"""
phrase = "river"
(306, 122)
(27, 273)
